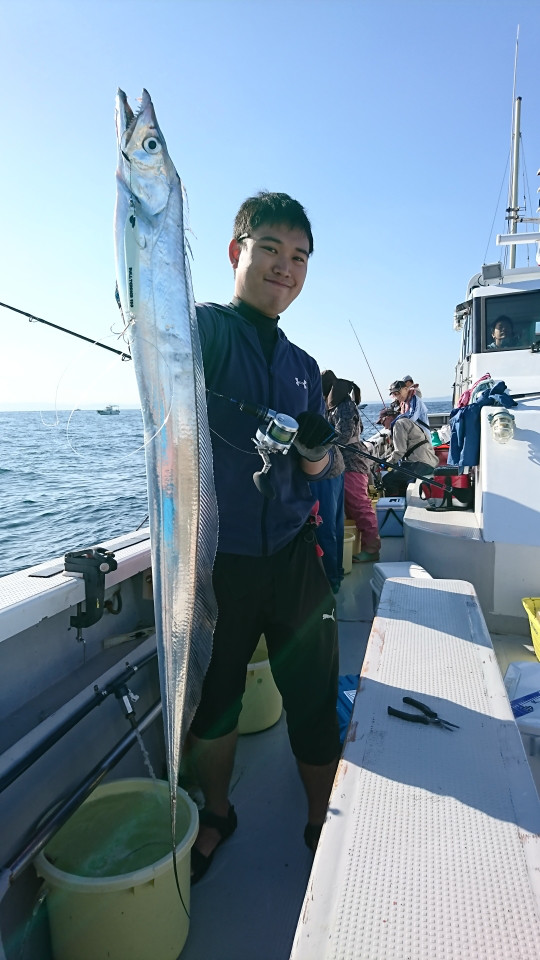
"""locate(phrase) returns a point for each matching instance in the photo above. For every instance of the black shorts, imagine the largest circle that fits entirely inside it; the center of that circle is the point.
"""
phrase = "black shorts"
(287, 597)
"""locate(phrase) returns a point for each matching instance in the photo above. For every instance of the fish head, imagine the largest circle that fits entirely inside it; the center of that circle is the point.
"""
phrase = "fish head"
(144, 165)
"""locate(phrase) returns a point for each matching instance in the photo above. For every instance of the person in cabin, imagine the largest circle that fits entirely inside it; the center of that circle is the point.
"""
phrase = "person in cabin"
(503, 336)
(268, 576)
(411, 405)
(411, 447)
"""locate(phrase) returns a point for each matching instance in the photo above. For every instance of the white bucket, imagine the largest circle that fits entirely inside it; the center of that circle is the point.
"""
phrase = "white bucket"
(109, 873)
(261, 703)
(348, 544)
(350, 527)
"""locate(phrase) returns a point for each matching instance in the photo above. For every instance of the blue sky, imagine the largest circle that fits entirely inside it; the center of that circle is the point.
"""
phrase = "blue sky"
(389, 121)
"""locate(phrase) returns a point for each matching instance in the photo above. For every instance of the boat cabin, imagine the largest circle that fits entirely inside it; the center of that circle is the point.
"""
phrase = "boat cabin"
(493, 329)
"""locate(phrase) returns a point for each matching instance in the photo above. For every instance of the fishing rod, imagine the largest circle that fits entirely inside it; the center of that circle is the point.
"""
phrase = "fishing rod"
(366, 359)
(276, 438)
(281, 429)
(363, 415)
(391, 466)
(32, 318)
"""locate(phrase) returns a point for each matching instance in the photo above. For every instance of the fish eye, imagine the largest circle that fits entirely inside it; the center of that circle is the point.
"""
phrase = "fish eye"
(151, 145)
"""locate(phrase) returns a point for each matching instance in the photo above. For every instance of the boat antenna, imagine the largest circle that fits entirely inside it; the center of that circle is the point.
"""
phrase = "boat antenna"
(513, 205)
(33, 319)
(366, 359)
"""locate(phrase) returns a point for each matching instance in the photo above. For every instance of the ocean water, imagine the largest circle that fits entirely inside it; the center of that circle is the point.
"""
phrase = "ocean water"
(68, 481)
(71, 480)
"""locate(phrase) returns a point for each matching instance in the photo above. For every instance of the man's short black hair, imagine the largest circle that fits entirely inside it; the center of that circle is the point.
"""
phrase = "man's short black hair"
(271, 208)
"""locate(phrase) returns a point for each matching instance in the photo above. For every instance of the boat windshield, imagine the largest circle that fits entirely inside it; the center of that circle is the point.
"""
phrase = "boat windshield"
(512, 322)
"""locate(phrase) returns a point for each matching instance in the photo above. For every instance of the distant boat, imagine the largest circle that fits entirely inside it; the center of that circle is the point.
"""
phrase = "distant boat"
(111, 410)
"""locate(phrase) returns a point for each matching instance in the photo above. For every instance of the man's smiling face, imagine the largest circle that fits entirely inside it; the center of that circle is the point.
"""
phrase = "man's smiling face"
(270, 267)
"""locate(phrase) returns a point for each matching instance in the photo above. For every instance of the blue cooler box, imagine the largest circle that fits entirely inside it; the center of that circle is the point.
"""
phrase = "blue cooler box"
(390, 513)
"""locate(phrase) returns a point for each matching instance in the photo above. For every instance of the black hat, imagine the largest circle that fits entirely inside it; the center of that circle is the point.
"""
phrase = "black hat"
(387, 412)
(396, 385)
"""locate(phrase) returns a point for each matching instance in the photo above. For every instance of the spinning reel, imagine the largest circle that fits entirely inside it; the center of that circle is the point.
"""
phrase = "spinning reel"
(276, 438)
(275, 435)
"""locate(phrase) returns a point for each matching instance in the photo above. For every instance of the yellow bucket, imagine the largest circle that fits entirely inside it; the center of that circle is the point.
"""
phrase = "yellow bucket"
(348, 544)
(109, 873)
(532, 606)
(261, 703)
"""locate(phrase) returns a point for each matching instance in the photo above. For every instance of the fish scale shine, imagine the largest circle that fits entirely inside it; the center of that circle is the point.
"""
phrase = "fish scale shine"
(154, 286)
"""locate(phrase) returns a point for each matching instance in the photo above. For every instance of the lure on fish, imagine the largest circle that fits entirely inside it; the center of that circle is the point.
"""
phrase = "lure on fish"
(155, 293)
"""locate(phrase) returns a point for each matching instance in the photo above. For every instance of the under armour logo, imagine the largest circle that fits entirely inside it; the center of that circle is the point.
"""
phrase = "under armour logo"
(301, 383)
(329, 616)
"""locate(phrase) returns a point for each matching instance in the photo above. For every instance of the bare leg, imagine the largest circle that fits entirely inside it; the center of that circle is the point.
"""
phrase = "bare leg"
(317, 784)
(213, 761)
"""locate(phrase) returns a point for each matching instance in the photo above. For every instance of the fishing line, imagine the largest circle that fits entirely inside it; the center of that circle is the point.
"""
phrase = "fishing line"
(67, 368)
(364, 416)
(252, 453)
(175, 869)
(145, 442)
(368, 366)
(496, 208)
(228, 442)
(374, 425)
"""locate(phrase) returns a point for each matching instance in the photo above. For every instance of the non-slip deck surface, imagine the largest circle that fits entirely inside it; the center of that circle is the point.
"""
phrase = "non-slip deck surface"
(431, 848)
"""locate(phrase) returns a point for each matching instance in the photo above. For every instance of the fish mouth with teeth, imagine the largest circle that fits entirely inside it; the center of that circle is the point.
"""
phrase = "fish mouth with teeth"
(126, 117)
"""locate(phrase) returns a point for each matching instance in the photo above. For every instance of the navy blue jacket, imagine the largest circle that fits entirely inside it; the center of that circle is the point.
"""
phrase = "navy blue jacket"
(465, 424)
(235, 366)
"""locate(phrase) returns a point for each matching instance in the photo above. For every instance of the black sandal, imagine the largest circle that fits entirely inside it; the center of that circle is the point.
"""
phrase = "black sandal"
(312, 834)
(225, 826)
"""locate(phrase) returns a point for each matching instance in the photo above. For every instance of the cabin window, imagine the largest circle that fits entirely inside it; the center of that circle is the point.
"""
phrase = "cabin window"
(511, 322)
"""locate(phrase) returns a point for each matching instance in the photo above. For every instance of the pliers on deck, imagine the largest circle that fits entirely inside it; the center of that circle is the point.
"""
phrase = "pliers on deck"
(427, 715)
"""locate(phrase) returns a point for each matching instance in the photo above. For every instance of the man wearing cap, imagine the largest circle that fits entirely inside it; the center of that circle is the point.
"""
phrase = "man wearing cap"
(410, 404)
(413, 387)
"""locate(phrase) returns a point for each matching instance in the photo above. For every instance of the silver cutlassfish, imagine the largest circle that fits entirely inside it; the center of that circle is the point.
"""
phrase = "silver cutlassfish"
(154, 286)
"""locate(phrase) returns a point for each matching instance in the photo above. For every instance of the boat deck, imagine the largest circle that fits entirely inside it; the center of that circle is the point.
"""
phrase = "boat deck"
(249, 903)
(247, 906)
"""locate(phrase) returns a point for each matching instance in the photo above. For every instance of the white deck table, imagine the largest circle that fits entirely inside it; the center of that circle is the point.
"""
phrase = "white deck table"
(431, 849)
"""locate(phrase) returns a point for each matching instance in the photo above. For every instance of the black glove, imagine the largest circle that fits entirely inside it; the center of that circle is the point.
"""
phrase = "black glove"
(314, 437)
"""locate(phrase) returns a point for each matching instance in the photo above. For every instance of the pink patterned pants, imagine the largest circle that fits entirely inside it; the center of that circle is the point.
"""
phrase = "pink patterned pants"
(358, 507)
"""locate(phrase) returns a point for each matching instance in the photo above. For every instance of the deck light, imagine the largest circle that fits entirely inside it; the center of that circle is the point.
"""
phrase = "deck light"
(502, 425)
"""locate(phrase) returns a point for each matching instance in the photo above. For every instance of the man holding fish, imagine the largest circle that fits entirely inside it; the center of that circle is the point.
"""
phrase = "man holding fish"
(267, 576)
